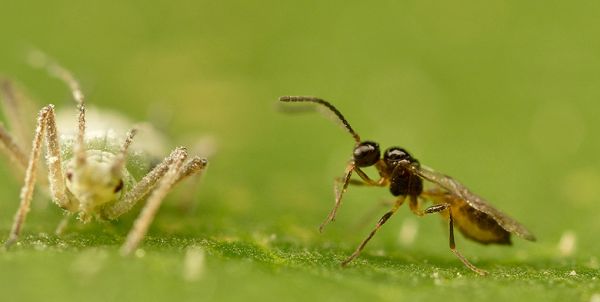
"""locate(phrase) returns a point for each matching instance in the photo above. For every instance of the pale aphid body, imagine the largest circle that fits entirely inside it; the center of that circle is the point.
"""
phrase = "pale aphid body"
(98, 165)
(96, 185)
(107, 129)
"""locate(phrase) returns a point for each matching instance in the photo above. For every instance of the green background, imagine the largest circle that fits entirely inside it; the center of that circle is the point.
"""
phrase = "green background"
(503, 95)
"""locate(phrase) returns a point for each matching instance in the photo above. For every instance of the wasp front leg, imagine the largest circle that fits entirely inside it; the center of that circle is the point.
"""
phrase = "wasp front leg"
(344, 182)
(367, 181)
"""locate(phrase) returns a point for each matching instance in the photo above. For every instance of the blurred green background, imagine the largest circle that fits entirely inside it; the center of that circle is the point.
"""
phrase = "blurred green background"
(503, 95)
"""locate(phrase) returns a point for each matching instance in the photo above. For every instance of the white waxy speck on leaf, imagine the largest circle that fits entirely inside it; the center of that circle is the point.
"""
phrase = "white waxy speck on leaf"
(408, 232)
(567, 244)
(193, 263)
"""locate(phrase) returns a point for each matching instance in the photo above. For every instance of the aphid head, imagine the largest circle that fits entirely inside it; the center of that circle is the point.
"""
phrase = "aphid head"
(95, 182)
(394, 155)
(366, 154)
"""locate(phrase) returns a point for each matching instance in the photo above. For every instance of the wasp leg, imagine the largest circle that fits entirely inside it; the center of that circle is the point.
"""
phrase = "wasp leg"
(381, 182)
(365, 180)
(381, 221)
(356, 182)
(445, 206)
(45, 125)
(370, 213)
(344, 181)
(175, 171)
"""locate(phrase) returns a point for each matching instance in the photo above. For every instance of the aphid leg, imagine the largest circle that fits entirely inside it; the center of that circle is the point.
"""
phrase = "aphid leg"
(344, 181)
(149, 181)
(191, 170)
(193, 167)
(62, 225)
(56, 178)
(14, 151)
(141, 224)
(186, 195)
(17, 111)
(138, 191)
(445, 206)
(381, 221)
(45, 124)
(41, 60)
(12, 144)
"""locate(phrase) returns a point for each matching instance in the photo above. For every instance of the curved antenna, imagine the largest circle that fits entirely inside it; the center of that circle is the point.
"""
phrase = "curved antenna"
(338, 114)
(119, 162)
(39, 59)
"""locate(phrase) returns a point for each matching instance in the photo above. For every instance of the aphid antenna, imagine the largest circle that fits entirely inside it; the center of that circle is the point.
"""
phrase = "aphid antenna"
(338, 114)
(38, 59)
(120, 159)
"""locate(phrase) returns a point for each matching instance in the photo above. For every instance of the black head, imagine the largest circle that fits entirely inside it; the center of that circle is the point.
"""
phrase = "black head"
(394, 155)
(366, 154)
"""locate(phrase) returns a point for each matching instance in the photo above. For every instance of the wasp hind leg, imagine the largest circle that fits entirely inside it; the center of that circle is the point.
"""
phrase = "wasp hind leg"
(446, 206)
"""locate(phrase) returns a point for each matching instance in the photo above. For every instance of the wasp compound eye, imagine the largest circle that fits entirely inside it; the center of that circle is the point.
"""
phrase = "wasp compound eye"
(394, 155)
(366, 154)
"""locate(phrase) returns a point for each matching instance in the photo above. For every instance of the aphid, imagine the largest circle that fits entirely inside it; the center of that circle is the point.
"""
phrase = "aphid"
(403, 175)
(93, 172)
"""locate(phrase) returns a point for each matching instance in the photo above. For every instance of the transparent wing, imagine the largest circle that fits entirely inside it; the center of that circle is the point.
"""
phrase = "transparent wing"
(453, 186)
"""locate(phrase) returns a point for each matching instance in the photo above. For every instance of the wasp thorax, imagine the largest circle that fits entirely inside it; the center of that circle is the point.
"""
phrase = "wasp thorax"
(394, 155)
(366, 154)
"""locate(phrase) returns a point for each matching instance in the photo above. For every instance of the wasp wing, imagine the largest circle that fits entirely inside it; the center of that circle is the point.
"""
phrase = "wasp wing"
(455, 187)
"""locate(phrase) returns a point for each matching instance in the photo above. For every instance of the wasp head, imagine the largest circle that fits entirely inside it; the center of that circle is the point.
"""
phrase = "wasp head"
(366, 154)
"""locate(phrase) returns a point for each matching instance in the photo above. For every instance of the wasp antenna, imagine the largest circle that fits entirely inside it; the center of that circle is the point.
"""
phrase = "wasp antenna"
(338, 114)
